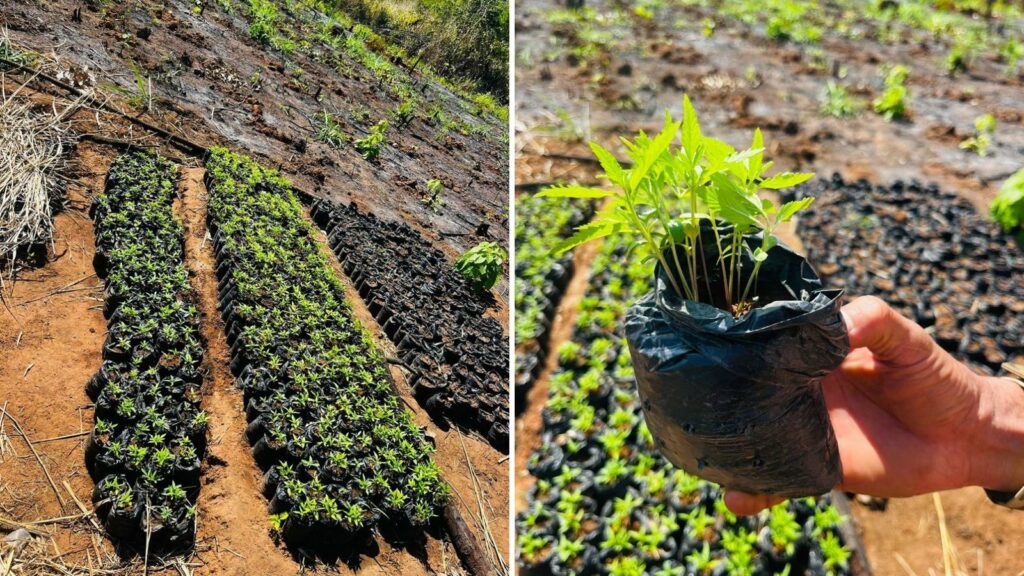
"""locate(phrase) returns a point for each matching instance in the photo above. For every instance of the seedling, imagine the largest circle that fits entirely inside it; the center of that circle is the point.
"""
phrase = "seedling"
(836, 556)
(837, 102)
(984, 129)
(481, 264)
(435, 188)
(329, 130)
(1008, 207)
(669, 195)
(370, 145)
(892, 103)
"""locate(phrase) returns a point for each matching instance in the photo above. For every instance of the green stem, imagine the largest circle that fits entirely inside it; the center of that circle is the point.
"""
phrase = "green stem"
(721, 258)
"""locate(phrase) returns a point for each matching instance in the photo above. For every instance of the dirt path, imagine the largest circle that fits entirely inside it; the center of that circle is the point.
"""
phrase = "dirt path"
(51, 336)
(232, 517)
(483, 502)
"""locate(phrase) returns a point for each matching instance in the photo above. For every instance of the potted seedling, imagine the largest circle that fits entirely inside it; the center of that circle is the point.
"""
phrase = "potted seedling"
(536, 551)
(732, 343)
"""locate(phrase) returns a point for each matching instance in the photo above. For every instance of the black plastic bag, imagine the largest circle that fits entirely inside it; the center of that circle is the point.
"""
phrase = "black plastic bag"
(739, 401)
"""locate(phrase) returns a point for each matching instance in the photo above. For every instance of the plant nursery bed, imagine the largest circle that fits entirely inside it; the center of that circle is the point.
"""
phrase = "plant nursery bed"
(541, 279)
(931, 255)
(456, 352)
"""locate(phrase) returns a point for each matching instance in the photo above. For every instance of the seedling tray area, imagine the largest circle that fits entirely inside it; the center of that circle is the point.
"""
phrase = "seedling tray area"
(458, 355)
(341, 453)
(932, 256)
(147, 444)
(541, 278)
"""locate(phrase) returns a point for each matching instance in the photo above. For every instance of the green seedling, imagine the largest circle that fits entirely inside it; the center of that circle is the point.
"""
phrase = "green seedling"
(1008, 207)
(481, 264)
(665, 198)
(837, 102)
(984, 129)
(370, 145)
(329, 130)
(892, 103)
(434, 201)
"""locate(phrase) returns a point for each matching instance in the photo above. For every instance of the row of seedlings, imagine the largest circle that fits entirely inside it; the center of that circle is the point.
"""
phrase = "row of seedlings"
(932, 256)
(433, 314)
(604, 501)
(340, 451)
(149, 436)
(541, 278)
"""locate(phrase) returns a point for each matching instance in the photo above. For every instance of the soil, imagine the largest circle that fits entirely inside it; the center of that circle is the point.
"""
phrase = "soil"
(51, 337)
(202, 68)
(738, 80)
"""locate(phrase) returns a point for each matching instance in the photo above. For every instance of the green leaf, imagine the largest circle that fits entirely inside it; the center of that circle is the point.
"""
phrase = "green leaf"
(691, 129)
(760, 255)
(717, 151)
(574, 192)
(733, 205)
(789, 209)
(785, 180)
(654, 149)
(583, 234)
(612, 168)
(757, 160)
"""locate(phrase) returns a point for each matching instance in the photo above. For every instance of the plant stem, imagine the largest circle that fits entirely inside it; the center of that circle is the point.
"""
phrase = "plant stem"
(721, 259)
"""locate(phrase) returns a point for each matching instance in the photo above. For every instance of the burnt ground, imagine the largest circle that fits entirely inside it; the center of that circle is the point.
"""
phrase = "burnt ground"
(213, 84)
(52, 328)
(738, 80)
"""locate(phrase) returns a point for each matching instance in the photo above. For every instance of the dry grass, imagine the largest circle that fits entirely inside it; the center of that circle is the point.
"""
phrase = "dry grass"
(32, 150)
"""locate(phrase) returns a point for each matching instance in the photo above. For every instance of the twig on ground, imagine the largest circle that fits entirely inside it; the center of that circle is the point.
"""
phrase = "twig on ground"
(31, 446)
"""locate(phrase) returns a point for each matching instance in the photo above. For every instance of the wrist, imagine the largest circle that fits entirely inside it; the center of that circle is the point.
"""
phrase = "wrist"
(996, 447)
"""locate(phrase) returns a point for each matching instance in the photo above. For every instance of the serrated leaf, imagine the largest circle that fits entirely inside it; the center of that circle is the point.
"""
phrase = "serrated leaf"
(691, 128)
(756, 163)
(612, 168)
(734, 206)
(583, 234)
(785, 180)
(574, 192)
(653, 150)
(789, 209)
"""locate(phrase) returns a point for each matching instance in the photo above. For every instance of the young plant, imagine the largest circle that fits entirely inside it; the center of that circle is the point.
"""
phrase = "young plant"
(435, 188)
(370, 145)
(670, 196)
(481, 264)
(892, 103)
(1008, 207)
(984, 129)
(329, 130)
(837, 102)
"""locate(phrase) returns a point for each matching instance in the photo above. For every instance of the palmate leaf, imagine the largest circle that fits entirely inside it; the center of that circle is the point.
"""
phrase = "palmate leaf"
(585, 233)
(785, 180)
(574, 191)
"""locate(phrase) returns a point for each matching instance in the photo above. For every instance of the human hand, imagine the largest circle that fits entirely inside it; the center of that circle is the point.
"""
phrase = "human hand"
(911, 419)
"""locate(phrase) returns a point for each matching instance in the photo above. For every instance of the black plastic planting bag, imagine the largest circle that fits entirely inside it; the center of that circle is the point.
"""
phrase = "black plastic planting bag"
(739, 401)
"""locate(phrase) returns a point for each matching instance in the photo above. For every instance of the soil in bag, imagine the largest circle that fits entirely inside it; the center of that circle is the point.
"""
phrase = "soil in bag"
(738, 401)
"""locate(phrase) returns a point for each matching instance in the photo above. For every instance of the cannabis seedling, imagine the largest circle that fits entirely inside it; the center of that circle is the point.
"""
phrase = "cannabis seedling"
(669, 194)
(370, 146)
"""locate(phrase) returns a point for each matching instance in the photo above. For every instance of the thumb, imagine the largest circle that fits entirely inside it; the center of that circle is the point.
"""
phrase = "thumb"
(873, 324)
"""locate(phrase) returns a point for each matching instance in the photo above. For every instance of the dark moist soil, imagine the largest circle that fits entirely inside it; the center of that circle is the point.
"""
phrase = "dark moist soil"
(655, 65)
(201, 66)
